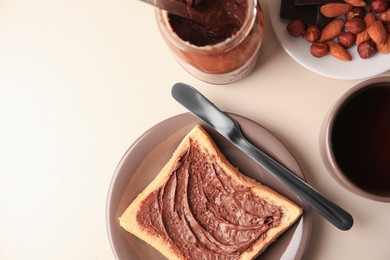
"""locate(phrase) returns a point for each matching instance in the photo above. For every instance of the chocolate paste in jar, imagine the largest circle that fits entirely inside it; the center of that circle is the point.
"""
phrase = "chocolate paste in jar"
(222, 19)
(226, 48)
(203, 213)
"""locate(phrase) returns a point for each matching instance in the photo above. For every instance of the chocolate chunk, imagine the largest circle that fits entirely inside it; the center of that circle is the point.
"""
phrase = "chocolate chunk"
(321, 19)
(316, 2)
(306, 14)
(309, 14)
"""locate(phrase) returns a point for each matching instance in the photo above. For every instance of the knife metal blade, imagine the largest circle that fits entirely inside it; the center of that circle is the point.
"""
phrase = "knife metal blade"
(200, 106)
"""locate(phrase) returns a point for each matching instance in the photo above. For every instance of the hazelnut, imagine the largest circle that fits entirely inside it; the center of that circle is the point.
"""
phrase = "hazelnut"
(355, 25)
(312, 33)
(355, 12)
(346, 39)
(378, 6)
(296, 28)
(319, 49)
(366, 49)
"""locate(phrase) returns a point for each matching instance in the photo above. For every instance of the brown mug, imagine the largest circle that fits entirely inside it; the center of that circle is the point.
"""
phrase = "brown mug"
(355, 140)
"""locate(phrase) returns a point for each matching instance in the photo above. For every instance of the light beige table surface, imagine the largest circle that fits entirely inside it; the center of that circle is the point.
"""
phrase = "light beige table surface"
(80, 80)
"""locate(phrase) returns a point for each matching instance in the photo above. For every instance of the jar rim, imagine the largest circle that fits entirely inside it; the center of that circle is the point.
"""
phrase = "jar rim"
(224, 46)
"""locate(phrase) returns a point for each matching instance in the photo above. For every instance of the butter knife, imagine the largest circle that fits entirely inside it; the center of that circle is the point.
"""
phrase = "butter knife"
(199, 105)
(181, 9)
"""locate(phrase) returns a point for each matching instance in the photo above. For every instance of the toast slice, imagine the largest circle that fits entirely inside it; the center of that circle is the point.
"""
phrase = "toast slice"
(201, 207)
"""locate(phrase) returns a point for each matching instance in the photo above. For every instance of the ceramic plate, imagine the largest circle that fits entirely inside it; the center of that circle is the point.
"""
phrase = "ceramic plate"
(149, 153)
(299, 50)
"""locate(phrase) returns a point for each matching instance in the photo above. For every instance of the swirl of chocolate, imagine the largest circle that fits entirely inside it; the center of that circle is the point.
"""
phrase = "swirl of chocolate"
(202, 213)
(221, 20)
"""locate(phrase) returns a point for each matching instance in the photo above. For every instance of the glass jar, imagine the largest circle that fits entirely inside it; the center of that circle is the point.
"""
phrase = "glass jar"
(223, 62)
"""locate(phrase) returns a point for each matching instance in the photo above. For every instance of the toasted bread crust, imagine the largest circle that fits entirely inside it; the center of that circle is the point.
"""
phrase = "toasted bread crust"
(199, 137)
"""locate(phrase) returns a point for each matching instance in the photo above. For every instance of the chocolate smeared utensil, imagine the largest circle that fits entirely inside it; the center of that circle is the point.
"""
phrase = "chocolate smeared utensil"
(182, 9)
(203, 108)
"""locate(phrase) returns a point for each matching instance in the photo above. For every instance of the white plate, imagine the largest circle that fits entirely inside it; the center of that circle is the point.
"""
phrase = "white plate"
(149, 153)
(328, 66)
